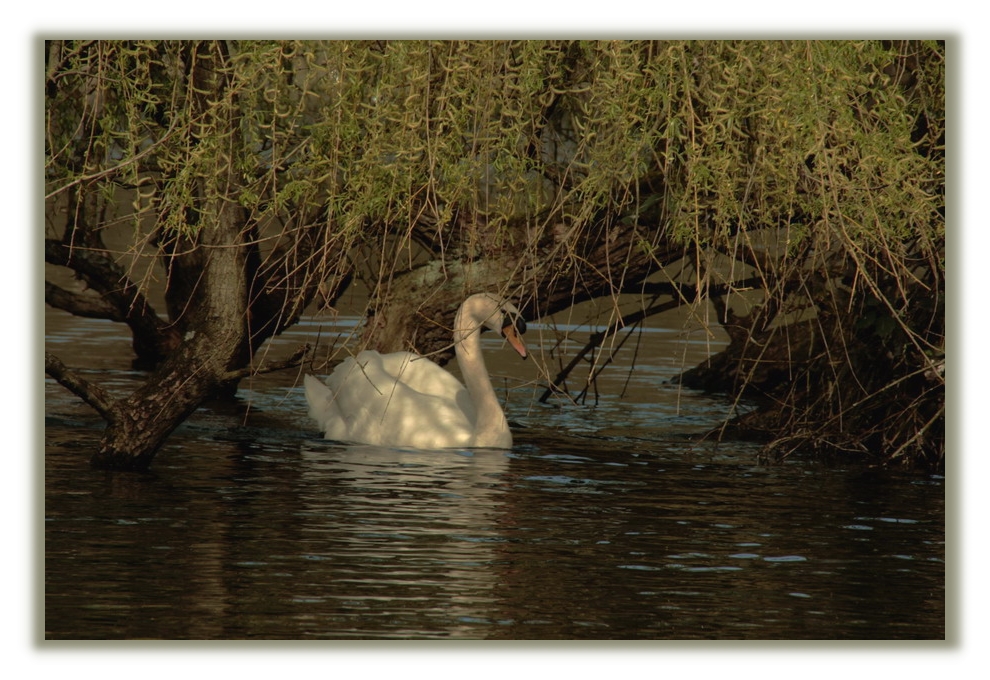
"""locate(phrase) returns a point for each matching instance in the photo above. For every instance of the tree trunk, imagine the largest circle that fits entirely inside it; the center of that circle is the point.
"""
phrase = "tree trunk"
(200, 366)
(141, 422)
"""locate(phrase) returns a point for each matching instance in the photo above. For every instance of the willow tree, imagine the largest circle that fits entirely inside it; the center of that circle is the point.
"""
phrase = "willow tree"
(797, 186)
(155, 135)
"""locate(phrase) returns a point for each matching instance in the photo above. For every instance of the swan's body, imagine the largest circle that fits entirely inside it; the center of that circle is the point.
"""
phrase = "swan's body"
(405, 400)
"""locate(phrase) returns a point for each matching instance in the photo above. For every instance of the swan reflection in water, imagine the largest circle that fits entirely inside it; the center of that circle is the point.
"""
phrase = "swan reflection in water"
(405, 400)
(399, 527)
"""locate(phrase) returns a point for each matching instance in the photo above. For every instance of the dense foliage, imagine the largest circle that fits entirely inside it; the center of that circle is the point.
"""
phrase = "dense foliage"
(812, 171)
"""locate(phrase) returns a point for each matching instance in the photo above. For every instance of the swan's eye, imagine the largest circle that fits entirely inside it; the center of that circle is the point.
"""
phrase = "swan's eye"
(518, 322)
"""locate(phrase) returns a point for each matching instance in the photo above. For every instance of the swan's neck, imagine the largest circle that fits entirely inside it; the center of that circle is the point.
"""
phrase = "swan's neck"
(490, 425)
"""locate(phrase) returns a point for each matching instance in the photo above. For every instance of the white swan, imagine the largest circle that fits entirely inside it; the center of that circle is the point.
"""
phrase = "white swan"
(405, 400)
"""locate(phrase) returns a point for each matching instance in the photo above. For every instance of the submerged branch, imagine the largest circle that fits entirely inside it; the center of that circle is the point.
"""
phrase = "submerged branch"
(91, 393)
(682, 294)
(598, 338)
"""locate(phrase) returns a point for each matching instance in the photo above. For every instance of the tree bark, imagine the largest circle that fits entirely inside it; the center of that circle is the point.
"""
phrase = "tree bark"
(200, 365)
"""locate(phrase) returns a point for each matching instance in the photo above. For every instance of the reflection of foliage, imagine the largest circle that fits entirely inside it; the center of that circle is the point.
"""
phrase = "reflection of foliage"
(807, 167)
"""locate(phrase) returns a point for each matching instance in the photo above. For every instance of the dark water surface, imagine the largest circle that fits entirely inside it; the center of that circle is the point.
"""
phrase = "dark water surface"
(604, 522)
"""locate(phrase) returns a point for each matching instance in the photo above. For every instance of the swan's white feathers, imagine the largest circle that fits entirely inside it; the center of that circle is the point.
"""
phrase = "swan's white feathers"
(404, 400)
(391, 400)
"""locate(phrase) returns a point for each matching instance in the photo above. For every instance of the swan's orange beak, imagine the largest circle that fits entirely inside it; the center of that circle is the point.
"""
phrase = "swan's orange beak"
(510, 334)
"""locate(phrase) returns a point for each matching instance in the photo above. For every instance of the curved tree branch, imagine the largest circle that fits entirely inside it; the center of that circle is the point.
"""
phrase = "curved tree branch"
(80, 305)
(154, 338)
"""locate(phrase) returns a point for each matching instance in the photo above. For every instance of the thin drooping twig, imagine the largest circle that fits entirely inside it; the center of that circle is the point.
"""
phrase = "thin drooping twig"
(295, 360)
(593, 377)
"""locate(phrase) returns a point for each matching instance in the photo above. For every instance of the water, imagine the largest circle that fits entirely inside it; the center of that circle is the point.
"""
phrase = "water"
(604, 522)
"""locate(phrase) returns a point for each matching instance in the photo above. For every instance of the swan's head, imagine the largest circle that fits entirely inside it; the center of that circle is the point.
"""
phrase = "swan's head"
(513, 327)
(498, 315)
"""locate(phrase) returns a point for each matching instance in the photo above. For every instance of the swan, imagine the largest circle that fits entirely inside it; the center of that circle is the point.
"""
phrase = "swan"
(404, 400)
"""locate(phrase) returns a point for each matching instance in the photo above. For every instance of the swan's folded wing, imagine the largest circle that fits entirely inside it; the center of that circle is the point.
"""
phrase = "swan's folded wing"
(369, 404)
(420, 374)
(423, 421)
